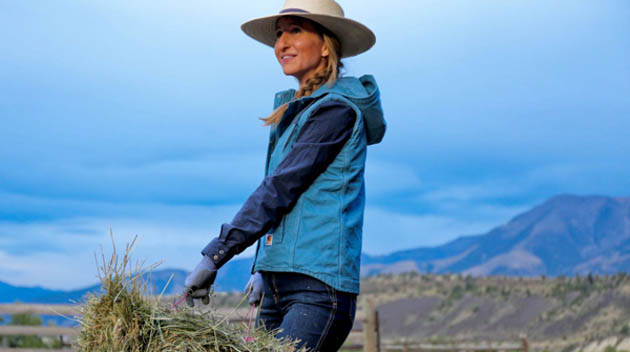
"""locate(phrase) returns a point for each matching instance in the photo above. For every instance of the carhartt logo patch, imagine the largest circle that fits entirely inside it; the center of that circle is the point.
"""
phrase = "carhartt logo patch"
(269, 239)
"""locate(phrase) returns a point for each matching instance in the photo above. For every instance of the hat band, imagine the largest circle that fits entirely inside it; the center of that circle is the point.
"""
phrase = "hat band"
(294, 10)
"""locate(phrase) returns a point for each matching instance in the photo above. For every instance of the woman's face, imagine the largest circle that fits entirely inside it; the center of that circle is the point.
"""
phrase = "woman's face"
(300, 50)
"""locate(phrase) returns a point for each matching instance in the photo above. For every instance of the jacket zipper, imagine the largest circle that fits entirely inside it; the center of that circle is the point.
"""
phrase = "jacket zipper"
(295, 123)
(290, 134)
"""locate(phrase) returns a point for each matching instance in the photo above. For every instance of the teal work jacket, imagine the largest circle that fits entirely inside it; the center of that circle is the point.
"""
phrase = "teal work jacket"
(321, 235)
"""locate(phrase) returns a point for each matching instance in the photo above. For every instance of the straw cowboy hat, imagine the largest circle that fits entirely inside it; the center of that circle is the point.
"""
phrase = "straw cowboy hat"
(354, 37)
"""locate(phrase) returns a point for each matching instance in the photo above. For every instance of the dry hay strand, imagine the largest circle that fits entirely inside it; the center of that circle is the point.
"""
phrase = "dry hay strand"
(124, 317)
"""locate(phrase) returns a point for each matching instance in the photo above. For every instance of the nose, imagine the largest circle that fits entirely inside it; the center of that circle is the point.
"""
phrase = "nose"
(282, 42)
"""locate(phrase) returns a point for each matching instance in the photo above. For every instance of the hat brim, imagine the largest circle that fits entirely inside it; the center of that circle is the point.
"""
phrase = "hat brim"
(355, 38)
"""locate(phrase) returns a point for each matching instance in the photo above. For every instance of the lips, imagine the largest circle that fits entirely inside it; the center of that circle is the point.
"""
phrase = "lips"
(286, 58)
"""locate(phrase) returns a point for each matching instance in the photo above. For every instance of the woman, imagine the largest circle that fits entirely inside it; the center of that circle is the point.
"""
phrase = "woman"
(307, 215)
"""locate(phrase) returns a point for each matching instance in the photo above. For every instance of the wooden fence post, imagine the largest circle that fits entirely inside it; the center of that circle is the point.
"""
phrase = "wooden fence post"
(524, 345)
(371, 329)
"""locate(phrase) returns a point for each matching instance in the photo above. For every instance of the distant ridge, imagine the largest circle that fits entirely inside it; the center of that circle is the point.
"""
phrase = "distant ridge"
(12, 294)
(565, 235)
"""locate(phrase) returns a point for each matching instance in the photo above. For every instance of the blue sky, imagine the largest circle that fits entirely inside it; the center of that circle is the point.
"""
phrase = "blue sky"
(142, 117)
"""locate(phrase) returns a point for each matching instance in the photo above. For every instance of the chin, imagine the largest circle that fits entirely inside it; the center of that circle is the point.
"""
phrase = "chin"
(288, 72)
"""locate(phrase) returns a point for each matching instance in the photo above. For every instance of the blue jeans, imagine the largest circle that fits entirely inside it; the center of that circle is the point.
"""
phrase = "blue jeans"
(307, 309)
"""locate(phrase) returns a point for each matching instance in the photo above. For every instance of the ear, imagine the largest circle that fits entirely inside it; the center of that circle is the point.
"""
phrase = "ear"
(325, 52)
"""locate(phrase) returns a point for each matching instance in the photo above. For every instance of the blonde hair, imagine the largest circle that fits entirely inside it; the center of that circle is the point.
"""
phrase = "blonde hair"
(328, 74)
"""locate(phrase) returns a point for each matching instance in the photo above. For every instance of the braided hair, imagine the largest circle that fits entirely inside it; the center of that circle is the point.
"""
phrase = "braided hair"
(327, 75)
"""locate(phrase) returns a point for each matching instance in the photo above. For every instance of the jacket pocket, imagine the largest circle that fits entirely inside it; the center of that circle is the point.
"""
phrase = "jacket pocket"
(277, 235)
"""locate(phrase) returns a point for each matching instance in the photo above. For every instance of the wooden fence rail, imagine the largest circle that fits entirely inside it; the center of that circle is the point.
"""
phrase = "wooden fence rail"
(39, 309)
(455, 347)
(371, 341)
(33, 350)
(65, 334)
(8, 330)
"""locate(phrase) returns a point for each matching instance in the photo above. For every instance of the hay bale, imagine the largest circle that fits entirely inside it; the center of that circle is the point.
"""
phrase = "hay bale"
(124, 317)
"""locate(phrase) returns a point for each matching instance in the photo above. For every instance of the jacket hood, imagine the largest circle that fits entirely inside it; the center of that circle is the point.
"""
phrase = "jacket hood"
(363, 92)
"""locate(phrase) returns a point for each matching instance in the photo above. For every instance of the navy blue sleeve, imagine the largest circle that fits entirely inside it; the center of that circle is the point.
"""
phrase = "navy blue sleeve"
(318, 144)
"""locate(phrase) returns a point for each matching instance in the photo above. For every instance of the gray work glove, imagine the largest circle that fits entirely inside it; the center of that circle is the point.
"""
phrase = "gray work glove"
(255, 285)
(199, 281)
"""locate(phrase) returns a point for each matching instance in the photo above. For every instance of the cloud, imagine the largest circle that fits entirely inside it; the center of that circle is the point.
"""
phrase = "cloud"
(172, 235)
(33, 253)
(44, 269)
(386, 231)
(385, 177)
(209, 179)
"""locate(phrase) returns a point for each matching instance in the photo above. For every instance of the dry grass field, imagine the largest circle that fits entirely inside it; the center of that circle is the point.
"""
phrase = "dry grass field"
(559, 314)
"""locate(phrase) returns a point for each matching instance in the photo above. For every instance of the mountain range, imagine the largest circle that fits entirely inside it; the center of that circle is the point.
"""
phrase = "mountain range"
(565, 235)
